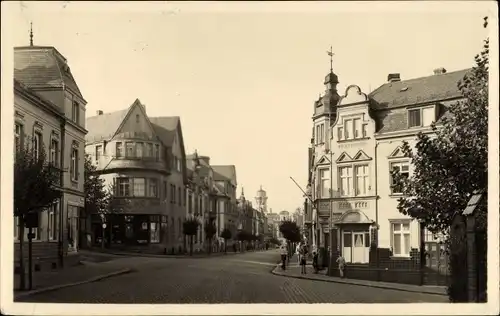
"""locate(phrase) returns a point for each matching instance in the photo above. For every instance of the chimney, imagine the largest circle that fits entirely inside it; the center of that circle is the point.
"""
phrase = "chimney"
(393, 78)
(99, 112)
(439, 71)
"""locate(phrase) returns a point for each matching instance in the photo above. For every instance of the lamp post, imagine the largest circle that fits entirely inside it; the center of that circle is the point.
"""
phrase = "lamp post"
(330, 202)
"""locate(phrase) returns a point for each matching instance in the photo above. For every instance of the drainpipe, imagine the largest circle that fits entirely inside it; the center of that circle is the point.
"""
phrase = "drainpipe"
(376, 211)
(60, 242)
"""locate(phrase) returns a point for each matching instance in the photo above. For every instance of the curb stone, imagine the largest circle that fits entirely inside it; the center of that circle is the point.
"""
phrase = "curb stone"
(353, 282)
(61, 286)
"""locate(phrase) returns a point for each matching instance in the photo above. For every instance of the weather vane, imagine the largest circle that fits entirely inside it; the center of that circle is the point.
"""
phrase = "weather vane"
(330, 53)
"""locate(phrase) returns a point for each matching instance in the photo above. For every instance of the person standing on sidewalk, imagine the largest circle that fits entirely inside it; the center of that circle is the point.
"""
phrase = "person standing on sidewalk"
(341, 262)
(297, 252)
(284, 254)
(302, 258)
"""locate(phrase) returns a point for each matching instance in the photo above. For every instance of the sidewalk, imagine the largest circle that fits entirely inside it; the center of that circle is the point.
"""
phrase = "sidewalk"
(293, 271)
(57, 279)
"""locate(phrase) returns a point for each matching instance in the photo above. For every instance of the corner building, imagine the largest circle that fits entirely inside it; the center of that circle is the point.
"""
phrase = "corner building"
(360, 136)
(143, 160)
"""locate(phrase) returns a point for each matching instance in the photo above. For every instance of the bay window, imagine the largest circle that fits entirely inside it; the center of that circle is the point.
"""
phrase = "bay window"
(139, 186)
(139, 150)
(400, 238)
(123, 186)
(119, 150)
(153, 187)
(129, 149)
(149, 152)
(157, 152)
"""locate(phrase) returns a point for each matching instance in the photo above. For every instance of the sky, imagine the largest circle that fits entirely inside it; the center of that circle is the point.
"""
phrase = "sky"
(244, 77)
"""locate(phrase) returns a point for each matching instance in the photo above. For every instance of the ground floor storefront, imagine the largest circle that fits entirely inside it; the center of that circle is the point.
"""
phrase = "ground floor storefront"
(129, 229)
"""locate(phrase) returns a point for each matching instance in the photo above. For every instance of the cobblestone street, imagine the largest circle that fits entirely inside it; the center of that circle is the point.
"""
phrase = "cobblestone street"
(241, 278)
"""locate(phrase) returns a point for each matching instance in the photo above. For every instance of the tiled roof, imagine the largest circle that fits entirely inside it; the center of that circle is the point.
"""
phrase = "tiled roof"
(419, 90)
(104, 126)
(24, 89)
(43, 67)
(224, 173)
(165, 127)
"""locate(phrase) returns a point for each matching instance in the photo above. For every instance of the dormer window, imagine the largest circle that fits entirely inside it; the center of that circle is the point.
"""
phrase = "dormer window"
(421, 117)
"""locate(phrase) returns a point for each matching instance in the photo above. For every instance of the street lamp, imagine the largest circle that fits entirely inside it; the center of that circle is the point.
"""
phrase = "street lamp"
(330, 202)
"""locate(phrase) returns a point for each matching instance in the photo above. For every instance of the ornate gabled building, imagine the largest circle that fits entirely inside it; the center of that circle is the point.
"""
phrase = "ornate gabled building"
(49, 112)
(355, 146)
(143, 161)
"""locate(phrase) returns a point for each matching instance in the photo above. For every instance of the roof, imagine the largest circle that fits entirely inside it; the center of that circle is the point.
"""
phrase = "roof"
(420, 90)
(43, 67)
(224, 173)
(19, 86)
(104, 126)
(165, 127)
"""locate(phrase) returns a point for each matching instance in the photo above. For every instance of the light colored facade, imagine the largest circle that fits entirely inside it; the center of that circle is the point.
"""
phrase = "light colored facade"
(361, 140)
(142, 159)
(49, 111)
(226, 182)
(261, 200)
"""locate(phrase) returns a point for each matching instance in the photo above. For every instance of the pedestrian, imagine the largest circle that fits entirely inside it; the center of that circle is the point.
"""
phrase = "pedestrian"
(302, 256)
(315, 261)
(284, 253)
(341, 262)
(297, 252)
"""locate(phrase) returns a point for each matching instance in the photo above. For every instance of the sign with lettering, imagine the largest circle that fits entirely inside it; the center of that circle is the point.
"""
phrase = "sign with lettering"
(352, 205)
(353, 145)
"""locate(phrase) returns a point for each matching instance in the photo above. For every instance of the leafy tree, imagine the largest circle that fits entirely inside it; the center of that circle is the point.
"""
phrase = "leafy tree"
(97, 196)
(210, 231)
(190, 228)
(36, 183)
(450, 166)
(226, 234)
(290, 231)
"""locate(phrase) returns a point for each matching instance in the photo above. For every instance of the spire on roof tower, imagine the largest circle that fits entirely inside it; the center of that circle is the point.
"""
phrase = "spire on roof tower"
(31, 33)
(330, 53)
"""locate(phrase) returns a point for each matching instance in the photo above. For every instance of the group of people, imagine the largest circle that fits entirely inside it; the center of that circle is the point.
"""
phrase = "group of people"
(302, 251)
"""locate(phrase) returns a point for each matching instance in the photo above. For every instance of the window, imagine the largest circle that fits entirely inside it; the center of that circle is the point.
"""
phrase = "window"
(37, 143)
(318, 135)
(180, 195)
(75, 113)
(137, 118)
(18, 136)
(54, 152)
(16, 228)
(74, 164)
(365, 130)
(98, 153)
(130, 149)
(361, 179)
(157, 152)
(165, 190)
(357, 128)
(428, 116)
(123, 186)
(139, 150)
(325, 182)
(403, 168)
(52, 221)
(172, 193)
(322, 133)
(178, 164)
(153, 187)
(341, 136)
(348, 129)
(345, 180)
(400, 239)
(119, 150)
(414, 118)
(139, 187)
(149, 152)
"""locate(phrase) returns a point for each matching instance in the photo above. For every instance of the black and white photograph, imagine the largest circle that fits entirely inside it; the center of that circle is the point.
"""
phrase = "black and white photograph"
(243, 158)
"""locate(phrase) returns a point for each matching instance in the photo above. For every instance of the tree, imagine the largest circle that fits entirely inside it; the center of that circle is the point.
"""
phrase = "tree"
(190, 228)
(97, 196)
(290, 231)
(226, 234)
(36, 183)
(451, 166)
(210, 231)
